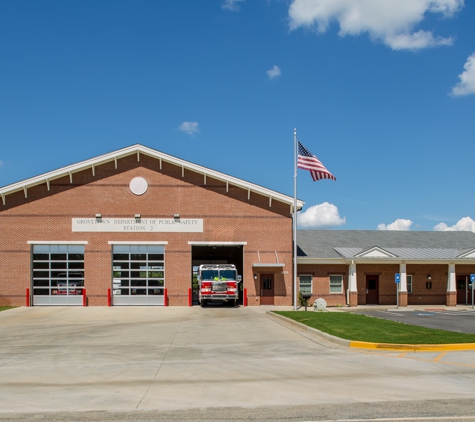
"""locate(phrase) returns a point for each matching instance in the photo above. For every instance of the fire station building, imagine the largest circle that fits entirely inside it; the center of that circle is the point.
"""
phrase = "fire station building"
(132, 227)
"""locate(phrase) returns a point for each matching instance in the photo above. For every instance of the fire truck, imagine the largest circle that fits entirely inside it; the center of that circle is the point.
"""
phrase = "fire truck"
(218, 283)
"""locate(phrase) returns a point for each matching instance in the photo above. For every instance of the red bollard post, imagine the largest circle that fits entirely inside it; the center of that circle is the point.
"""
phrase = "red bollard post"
(190, 297)
(244, 298)
(165, 297)
(109, 301)
(84, 297)
(27, 298)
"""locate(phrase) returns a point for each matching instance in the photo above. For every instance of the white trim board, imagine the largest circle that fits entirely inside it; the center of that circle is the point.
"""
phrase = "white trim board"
(57, 242)
(141, 242)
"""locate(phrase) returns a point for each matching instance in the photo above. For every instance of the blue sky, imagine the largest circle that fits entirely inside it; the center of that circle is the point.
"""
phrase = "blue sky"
(381, 91)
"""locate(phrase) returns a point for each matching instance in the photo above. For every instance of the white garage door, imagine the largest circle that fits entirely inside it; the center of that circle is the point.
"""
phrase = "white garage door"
(58, 274)
(138, 274)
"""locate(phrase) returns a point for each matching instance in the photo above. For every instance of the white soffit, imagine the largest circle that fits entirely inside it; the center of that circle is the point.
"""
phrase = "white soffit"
(469, 254)
(138, 149)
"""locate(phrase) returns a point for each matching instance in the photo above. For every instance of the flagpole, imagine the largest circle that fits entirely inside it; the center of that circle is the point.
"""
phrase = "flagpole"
(295, 223)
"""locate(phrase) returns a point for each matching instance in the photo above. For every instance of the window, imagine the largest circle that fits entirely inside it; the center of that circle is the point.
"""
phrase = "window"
(409, 284)
(305, 283)
(336, 284)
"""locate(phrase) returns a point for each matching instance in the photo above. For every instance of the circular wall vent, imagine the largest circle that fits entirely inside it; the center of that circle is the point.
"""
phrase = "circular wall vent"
(138, 185)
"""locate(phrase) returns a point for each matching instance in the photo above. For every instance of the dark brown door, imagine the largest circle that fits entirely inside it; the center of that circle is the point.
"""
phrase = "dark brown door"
(372, 289)
(462, 289)
(267, 289)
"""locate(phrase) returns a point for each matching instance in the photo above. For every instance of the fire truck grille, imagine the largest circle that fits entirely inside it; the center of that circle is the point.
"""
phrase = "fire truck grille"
(219, 287)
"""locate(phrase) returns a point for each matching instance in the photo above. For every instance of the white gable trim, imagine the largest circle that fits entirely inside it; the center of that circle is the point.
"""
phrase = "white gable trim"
(468, 254)
(375, 252)
(140, 149)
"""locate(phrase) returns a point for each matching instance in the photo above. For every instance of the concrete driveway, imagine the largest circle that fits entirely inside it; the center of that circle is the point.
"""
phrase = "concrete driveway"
(156, 358)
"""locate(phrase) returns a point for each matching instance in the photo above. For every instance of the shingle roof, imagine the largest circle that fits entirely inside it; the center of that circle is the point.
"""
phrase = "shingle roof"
(403, 244)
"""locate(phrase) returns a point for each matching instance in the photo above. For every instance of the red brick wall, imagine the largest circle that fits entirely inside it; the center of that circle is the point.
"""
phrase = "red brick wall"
(321, 282)
(228, 216)
(421, 295)
(387, 286)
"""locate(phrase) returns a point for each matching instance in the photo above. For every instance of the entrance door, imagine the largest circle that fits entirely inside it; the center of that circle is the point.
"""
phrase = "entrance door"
(267, 289)
(462, 291)
(372, 289)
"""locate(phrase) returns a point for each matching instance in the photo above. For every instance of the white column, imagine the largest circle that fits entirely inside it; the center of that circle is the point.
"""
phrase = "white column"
(403, 282)
(451, 287)
(352, 287)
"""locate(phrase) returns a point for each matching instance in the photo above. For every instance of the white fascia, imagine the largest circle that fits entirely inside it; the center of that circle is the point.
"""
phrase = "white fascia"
(361, 261)
(140, 149)
(139, 242)
(57, 242)
(217, 243)
(269, 265)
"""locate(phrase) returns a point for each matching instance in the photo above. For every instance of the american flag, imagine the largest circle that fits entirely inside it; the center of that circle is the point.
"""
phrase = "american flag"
(307, 161)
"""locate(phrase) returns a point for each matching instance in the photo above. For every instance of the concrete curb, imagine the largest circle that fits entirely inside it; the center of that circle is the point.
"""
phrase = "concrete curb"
(375, 346)
(333, 339)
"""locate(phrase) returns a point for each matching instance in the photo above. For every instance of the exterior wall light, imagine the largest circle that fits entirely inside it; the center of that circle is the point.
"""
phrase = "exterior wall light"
(176, 216)
(137, 216)
(98, 216)
(429, 277)
(255, 276)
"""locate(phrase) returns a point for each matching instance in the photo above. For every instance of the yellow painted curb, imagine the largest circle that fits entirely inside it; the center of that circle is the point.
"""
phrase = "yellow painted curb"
(412, 347)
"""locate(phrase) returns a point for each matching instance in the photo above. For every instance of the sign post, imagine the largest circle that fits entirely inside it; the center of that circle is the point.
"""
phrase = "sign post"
(472, 285)
(397, 280)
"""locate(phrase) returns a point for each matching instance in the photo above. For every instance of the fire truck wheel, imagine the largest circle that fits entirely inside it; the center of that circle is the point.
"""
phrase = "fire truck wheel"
(232, 303)
(203, 303)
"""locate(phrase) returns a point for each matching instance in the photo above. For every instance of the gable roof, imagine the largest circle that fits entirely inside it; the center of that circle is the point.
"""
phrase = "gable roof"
(403, 245)
(138, 149)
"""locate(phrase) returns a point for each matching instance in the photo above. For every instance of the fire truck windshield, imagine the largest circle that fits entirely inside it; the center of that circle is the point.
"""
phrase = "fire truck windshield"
(209, 274)
(227, 275)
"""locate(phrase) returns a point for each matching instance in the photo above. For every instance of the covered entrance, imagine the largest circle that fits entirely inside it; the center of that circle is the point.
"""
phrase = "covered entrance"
(372, 290)
(216, 253)
(267, 289)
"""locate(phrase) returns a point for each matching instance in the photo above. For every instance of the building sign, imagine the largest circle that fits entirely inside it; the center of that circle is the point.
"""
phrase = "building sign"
(143, 225)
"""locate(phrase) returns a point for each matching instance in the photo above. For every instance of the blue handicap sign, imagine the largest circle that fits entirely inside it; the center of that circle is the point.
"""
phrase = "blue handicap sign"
(472, 278)
(397, 277)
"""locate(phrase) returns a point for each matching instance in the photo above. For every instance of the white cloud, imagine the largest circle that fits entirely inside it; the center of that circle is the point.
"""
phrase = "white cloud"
(464, 224)
(466, 86)
(233, 5)
(399, 224)
(189, 127)
(274, 72)
(391, 22)
(319, 216)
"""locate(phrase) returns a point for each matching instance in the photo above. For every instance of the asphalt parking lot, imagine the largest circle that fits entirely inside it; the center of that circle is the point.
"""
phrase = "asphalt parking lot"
(133, 360)
(462, 321)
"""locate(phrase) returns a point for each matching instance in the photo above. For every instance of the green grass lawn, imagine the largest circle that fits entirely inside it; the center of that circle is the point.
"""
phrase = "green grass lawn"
(351, 326)
(5, 308)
